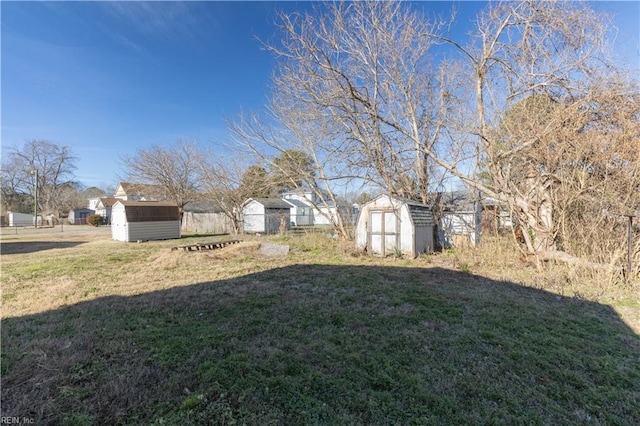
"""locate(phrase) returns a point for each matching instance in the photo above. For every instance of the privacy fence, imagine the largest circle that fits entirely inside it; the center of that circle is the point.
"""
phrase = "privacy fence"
(207, 223)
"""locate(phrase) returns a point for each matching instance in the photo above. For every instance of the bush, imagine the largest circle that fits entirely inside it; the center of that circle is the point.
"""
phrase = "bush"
(95, 220)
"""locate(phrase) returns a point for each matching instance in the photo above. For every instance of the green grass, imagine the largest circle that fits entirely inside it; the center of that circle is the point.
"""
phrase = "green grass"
(316, 340)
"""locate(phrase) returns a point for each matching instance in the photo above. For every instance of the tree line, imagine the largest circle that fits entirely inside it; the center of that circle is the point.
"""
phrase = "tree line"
(527, 108)
(48, 167)
(183, 173)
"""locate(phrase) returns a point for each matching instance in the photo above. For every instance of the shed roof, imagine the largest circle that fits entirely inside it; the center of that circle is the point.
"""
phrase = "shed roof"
(421, 214)
(273, 203)
(150, 211)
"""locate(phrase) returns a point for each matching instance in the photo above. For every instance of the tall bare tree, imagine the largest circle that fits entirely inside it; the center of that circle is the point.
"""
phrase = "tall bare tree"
(53, 165)
(546, 64)
(363, 74)
(355, 90)
(174, 169)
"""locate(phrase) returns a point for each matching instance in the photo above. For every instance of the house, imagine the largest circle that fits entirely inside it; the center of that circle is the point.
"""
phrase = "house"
(307, 208)
(79, 216)
(265, 215)
(301, 212)
(102, 207)
(467, 215)
(139, 192)
(144, 220)
(391, 225)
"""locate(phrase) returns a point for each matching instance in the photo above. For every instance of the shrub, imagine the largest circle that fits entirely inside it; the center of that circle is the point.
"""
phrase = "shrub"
(95, 220)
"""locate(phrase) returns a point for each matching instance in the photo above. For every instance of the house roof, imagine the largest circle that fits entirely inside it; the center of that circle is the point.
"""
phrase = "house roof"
(203, 206)
(108, 201)
(273, 203)
(150, 211)
(310, 198)
(297, 203)
(141, 190)
(465, 200)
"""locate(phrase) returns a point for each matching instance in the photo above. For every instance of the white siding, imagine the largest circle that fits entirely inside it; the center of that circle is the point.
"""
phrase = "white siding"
(161, 230)
(325, 215)
(385, 225)
(457, 224)
(119, 225)
(253, 217)
(406, 231)
(123, 230)
(22, 219)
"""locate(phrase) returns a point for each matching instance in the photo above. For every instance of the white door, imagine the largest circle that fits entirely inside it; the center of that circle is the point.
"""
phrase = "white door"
(384, 232)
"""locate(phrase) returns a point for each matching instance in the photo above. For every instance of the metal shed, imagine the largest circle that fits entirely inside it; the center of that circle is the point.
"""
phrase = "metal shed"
(389, 225)
(144, 220)
(265, 215)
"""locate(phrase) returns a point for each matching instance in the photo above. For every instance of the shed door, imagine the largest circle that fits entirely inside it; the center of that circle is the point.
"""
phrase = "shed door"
(384, 231)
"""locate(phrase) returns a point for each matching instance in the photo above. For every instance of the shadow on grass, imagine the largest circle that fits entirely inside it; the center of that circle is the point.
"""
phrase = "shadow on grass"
(34, 246)
(325, 344)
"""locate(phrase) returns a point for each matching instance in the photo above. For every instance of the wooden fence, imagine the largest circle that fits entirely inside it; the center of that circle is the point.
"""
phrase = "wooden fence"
(207, 223)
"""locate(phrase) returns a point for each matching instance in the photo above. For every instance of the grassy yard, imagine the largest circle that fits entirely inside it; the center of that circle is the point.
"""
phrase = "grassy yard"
(101, 332)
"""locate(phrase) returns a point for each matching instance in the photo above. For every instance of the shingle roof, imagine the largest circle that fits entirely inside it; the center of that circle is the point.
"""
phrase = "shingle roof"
(142, 190)
(297, 203)
(150, 211)
(421, 214)
(108, 201)
(273, 203)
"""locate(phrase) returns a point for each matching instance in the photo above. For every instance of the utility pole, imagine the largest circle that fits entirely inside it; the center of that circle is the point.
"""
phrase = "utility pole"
(35, 197)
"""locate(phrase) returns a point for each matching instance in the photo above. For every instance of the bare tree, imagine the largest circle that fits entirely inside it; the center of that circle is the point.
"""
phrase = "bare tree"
(53, 165)
(354, 90)
(546, 65)
(361, 88)
(275, 146)
(229, 182)
(360, 75)
(173, 169)
(14, 196)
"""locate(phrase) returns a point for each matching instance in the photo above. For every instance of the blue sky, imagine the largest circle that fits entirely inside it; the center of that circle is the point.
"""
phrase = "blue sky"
(109, 78)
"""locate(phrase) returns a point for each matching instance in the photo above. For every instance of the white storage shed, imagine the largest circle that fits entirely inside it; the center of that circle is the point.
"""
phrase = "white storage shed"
(265, 215)
(144, 220)
(22, 219)
(390, 225)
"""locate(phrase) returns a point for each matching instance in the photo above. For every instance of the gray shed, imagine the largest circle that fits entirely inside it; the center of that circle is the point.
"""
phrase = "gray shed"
(265, 215)
(144, 220)
(389, 225)
(79, 216)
